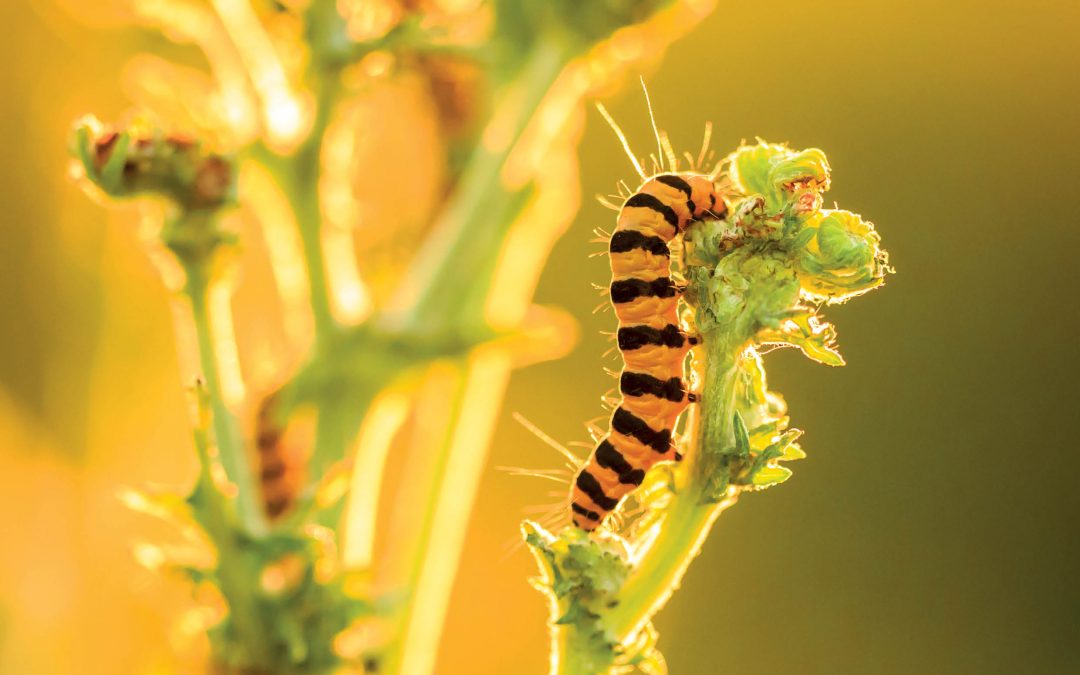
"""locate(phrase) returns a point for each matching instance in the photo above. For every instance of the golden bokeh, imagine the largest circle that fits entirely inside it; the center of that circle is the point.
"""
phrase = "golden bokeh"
(930, 530)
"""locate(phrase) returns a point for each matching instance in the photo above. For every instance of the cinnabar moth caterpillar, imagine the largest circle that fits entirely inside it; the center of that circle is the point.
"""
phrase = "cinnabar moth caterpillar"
(280, 464)
(652, 344)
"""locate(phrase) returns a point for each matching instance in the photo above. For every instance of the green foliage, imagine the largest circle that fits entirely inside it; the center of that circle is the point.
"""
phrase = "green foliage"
(285, 596)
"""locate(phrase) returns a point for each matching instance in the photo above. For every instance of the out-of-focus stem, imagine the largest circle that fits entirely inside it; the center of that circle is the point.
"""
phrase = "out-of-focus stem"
(461, 402)
(305, 200)
(486, 378)
(227, 435)
(234, 567)
(439, 296)
(472, 228)
(298, 176)
(377, 434)
(569, 653)
(411, 514)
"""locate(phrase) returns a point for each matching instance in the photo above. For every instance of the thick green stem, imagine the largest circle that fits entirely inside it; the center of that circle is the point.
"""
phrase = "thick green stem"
(305, 201)
(228, 438)
(573, 654)
(298, 176)
(413, 514)
(235, 565)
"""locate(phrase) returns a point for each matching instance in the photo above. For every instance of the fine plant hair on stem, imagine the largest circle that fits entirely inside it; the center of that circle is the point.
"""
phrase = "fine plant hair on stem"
(311, 590)
(754, 279)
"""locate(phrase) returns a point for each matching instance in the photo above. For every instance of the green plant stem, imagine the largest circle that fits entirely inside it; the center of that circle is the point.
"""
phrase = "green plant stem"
(304, 197)
(474, 224)
(298, 176)
(227, 435)
(235, 565)
(413, 514)
(574, 654)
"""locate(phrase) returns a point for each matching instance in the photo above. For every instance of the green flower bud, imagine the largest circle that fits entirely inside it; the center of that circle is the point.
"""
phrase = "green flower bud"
(144, 161)
(843, 259)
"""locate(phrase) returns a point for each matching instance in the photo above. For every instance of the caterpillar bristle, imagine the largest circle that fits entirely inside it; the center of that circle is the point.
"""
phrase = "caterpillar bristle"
(593, 426)
(665, 143)
(546, 474)
(582, 444)
(706, 139)
(652, 121)
(548, 440)
(622, 139)
(606, 202)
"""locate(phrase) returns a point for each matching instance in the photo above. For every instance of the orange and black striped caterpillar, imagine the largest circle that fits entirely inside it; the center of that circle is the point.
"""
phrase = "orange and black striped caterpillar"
(652, 343)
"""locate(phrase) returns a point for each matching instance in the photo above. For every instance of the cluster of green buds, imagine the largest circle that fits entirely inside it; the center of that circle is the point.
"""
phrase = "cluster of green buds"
(142, 161)
(757, 278)
(764, 272)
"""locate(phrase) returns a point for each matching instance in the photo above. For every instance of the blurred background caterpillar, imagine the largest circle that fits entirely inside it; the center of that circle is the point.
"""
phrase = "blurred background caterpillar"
(650, 339)
(281, 458)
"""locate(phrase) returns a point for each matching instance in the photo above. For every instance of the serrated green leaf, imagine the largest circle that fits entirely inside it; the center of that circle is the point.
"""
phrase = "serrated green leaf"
(816, 350)
(114, 166)
(742, 437)
(792, 452)
(768, 476)
(575, 613)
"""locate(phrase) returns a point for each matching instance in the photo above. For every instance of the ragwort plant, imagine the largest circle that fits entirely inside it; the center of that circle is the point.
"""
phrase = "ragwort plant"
(757, 278)
(284, 126)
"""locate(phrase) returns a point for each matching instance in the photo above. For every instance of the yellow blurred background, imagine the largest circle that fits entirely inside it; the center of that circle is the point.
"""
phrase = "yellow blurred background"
(933, 528)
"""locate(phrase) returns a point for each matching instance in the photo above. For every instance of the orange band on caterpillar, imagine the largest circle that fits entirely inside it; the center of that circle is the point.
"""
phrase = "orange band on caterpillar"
(652, 344)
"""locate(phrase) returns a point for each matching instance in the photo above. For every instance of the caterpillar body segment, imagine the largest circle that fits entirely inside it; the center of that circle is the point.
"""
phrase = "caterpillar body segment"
(652, 343)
